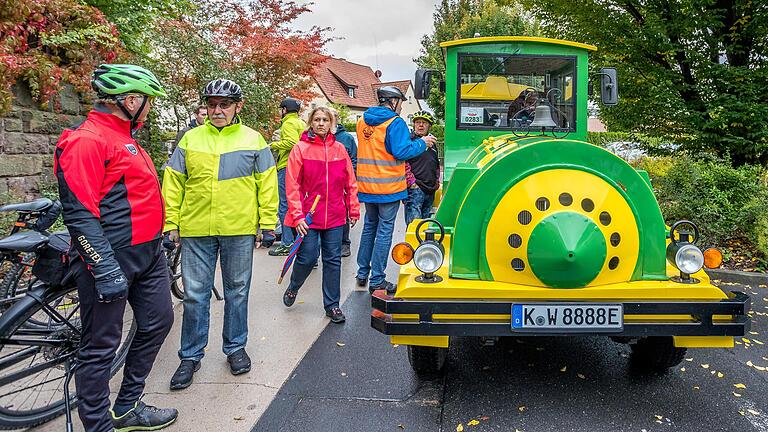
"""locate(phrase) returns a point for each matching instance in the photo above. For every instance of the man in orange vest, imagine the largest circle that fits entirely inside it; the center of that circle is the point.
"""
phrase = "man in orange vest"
(384, 143)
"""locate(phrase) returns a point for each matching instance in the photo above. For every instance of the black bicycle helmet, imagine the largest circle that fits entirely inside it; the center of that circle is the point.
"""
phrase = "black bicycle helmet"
(290, 105)
(223, 88)
(389, 92)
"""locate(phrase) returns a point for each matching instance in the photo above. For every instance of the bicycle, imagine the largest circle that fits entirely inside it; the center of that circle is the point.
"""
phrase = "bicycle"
(40, 335)
(173, 256)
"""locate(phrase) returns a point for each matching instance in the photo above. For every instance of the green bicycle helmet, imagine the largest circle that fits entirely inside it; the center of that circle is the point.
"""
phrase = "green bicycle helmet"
(111, 80)
(424, 115)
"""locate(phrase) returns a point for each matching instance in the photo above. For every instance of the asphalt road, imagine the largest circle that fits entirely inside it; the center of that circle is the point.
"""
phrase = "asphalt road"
(352, 379)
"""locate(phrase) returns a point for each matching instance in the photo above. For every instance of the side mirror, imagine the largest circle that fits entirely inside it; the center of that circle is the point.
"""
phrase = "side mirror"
(609, 86)
(422, 82)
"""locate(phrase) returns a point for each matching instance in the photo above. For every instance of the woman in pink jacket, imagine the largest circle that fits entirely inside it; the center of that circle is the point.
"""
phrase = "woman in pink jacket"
(318, 165)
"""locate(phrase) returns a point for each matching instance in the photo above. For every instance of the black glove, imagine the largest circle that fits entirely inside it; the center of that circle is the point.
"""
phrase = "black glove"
(168, 243)
(267, 238)
(112, 286)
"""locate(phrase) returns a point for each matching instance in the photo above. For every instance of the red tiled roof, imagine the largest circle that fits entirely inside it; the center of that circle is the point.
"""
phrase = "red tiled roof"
(402, 85)
(332, 76)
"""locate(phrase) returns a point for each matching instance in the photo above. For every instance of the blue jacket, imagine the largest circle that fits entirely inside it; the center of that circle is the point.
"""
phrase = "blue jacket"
(398, 143)
(349, 143)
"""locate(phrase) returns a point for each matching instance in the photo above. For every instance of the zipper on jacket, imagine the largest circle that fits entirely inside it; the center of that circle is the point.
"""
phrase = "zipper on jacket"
(325, 147)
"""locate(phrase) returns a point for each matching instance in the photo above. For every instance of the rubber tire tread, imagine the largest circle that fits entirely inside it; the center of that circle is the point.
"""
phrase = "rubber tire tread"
(13, 319)
(656, 353)
(11, 278)
(427, 361)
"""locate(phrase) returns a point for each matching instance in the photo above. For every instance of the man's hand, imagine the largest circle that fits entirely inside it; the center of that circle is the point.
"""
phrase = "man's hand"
(302, 227)
(267, 238)
(429, 140)
(173, 235)
(112, 286)
(352, 222)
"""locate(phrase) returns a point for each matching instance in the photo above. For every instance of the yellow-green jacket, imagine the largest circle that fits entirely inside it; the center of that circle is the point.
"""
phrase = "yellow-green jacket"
(291, 128)
(220, 183)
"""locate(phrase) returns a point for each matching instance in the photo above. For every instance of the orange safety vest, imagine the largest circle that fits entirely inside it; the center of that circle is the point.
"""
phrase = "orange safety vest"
(378, 172)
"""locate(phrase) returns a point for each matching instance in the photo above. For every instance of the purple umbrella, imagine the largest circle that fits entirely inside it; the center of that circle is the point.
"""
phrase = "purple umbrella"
(295, 247)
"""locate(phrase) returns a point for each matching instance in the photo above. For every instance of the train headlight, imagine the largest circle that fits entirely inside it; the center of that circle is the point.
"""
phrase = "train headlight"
(428, 257)
(688, 258)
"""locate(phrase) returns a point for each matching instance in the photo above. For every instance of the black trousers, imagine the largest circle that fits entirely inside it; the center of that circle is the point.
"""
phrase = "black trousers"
(150, 298)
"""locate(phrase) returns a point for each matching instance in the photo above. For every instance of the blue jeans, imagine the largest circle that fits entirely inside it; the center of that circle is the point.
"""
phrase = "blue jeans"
(418, 205)
(329, 240)
(287, 235)
(373, 254)
(198, 264)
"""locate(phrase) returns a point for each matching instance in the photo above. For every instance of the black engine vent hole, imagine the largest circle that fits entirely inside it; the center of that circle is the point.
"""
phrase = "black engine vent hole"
(613, 263)
(518, 264)
(542, 204)
(565, 199)
(587, 205)
(615, 239)
(515, 241)
(524, 217)
(605, 218)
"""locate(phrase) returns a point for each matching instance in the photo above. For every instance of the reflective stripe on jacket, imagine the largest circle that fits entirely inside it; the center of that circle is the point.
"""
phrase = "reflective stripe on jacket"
(220, 183)
(320, 167)
(378, 172)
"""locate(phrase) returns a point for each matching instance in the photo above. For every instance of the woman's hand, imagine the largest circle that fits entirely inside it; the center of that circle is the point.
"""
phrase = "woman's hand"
(352, 222)
(302, 227)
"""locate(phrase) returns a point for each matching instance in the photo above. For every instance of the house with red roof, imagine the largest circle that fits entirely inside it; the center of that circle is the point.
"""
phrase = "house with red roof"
(342, 82)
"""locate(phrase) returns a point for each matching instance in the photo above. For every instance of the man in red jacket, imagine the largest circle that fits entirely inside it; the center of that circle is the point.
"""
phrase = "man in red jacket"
(114, 212)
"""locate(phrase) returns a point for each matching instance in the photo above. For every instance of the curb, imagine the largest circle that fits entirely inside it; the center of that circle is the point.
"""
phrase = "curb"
(739, 277)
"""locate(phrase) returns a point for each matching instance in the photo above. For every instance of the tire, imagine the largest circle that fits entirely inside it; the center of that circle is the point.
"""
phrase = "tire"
(11, 278)
(14, 322)
(656, 354)
(174, 270)
(427, 361)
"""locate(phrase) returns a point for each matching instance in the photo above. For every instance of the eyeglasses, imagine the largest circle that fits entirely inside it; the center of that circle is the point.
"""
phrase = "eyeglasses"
(225, 104)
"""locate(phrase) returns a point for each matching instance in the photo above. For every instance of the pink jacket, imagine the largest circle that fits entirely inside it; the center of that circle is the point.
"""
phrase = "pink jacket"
(320, 167)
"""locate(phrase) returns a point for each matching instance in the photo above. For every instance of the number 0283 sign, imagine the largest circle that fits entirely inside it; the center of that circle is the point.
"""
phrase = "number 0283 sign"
(471, 115)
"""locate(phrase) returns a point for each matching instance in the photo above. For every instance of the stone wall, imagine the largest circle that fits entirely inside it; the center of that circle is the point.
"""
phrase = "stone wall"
(28, 136)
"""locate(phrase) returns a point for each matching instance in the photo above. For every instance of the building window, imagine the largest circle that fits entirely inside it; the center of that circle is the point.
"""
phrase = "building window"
(351, 92)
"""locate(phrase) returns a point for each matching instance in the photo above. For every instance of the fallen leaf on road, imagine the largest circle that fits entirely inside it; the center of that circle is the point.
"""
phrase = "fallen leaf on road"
(750, 364)
(740, 386)
(736, 394)
(563, 368)
(696, 387)
(742, 412)
(581, 376)
(720, 375)
(746, 340)
(754, 333)
(689, 359)
(682, 369)
(753, 412)
(658, 417)
(238, 418)
(343, 374)
(521, 408)
(485, 418)
(341, 344)
(401, 426)
(705, 366)
(473, 423)
(395, 346)
(460, 427)
(757, 342)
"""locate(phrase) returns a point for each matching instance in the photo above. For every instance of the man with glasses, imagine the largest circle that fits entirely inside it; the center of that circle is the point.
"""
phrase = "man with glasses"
(113, 210)
(220, 188)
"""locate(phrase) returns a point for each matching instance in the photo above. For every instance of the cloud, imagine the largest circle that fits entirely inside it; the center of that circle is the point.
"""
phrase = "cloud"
(384, 35)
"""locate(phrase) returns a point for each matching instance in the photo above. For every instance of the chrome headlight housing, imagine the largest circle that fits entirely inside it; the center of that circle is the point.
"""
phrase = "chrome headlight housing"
(686, 257)
(428, 257)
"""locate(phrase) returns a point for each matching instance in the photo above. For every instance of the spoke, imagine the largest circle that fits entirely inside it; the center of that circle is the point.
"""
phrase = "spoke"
(20, 355)
(61, 378)
(10, 378)
(36, 342)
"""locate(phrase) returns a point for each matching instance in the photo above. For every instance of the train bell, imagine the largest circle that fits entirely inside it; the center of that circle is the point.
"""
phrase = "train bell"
(543, 117)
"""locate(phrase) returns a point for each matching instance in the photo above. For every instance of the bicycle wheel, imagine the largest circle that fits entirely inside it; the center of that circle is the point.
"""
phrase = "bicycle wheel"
(174, 268)
(12, 274)
(32, 357)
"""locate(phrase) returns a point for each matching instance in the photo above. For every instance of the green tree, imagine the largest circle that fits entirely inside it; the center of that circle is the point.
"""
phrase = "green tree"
(692, 71)
(459, 19)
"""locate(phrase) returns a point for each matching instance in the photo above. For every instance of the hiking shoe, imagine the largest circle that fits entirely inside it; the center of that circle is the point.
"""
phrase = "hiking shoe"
(361, 282)
(182, 378)
(345, 251)
(336, 316)
(144, 417)
(289, 297)
(239, 362)
(386, 285)
(280, 250)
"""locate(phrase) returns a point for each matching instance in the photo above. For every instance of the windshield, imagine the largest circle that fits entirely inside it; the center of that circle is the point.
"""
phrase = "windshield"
(501, 91)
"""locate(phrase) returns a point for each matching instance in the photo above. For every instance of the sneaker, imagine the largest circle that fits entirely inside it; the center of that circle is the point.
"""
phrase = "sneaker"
(289, 297)
(386, 285)
(345, 252)
(239, 362)
(182, 378)
(361, 282)
(336, 316)
(280, 250)
(144, 417)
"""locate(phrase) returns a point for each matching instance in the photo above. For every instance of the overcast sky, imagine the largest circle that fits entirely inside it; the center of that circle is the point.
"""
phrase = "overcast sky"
(384, 35)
